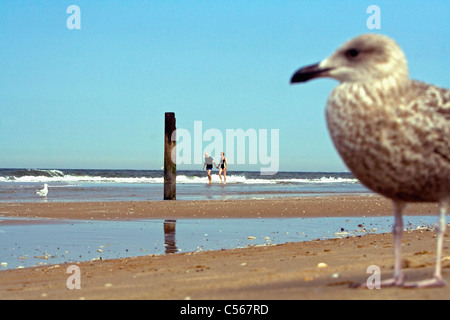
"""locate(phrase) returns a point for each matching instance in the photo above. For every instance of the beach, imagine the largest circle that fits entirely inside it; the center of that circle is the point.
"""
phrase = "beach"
(307, 110)
(316, 269)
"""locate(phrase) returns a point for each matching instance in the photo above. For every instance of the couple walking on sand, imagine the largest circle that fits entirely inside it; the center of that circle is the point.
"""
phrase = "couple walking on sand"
(209, 162)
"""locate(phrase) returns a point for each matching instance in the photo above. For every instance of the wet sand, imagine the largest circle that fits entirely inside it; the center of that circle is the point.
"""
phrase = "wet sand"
(324, 206)
(287, 271)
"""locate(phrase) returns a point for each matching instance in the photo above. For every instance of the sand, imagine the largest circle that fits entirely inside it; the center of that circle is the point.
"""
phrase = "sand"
(286, 271)
(324, 206)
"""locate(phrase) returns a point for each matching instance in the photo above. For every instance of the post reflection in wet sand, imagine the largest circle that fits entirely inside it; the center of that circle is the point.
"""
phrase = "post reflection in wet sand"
(169, 236)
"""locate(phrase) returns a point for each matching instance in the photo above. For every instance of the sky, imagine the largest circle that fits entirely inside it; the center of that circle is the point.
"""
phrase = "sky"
(95, 97)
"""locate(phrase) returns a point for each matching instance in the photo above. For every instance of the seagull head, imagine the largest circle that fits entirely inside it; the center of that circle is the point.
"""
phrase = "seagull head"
(368, 57)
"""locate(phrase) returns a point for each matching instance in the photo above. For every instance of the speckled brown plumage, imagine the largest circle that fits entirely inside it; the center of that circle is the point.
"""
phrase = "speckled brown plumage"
(400, 147)
(392, 132)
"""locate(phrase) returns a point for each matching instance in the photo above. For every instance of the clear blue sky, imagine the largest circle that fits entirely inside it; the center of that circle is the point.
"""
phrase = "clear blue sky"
(96, 97)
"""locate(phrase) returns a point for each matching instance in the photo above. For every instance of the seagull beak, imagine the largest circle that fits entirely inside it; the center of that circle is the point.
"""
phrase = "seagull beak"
(310, 72)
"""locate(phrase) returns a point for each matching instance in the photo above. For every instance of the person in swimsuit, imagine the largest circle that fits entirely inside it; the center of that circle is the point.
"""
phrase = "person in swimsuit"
(209, 161)
(223, 168)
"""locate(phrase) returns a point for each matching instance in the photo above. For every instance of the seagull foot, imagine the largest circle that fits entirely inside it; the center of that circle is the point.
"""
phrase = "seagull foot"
(430, 283)
(393, 282)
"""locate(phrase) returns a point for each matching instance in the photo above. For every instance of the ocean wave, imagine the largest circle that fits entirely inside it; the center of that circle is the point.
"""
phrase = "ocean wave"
(58, 176)
(13, 173)
(80, 179)
(319, 180)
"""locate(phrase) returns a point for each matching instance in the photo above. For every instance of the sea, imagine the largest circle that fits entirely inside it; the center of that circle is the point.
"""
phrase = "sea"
(93, 185)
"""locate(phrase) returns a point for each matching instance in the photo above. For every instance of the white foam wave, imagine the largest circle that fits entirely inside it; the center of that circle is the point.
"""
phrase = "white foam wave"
(52, 172)
(319, 180)
(59, 177)
(81, 179)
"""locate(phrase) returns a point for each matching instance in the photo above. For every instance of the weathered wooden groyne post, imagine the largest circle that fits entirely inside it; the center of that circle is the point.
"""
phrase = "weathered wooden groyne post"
(170, 166)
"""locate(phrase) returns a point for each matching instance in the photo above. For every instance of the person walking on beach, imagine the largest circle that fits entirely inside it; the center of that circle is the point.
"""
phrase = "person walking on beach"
(223, 168)
(209, 161)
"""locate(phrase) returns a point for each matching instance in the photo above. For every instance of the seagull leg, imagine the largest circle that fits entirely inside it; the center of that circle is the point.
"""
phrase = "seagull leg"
(398, 278)
(437, 280)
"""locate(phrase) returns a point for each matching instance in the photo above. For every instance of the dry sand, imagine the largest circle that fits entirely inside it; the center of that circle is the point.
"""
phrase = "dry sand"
(287, 271)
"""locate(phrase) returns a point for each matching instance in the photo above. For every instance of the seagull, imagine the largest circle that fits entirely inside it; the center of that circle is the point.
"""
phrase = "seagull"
(392, 132)
(43, 192)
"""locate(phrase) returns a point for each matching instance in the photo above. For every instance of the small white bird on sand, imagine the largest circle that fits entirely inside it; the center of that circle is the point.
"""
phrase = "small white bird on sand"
(43, 192)
(392, 132)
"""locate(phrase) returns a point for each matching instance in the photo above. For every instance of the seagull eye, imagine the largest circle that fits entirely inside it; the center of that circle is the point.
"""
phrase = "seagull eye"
(352, 53)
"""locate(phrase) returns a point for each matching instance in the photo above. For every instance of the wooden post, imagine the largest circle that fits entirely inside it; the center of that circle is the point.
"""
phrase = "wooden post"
(170, 166)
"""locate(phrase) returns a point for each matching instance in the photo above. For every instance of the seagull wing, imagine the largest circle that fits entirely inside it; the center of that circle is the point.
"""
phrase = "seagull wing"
(433, 98)
(42, 192)
(434, 102)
